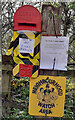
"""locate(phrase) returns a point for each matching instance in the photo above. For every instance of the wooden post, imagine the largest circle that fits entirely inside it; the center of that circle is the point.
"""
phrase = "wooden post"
(9, 86)
(6, 71)
(48, 29)
(47, 20)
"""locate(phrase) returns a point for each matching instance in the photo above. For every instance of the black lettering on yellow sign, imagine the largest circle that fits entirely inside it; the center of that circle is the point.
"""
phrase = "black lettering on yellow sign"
(45, 111)
(46, 105)
(47, 96)
(49, 81)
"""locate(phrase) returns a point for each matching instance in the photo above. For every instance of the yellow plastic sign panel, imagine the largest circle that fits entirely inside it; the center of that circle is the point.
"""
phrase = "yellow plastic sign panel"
(47, 96)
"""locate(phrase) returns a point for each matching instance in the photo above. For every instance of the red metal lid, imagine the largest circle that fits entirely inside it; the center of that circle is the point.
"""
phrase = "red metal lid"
(27, 17)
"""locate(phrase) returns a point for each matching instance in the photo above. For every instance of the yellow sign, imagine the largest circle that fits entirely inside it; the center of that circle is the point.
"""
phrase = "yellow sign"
(47, 96)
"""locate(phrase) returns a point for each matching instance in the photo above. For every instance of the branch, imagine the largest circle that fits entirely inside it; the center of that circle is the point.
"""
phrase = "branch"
(7, 24)
(71, 63)
(4, 5)
(5, 31)
(71, 57)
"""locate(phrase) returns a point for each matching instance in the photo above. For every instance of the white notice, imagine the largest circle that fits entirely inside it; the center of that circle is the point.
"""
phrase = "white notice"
(53, 53)
(26, 45)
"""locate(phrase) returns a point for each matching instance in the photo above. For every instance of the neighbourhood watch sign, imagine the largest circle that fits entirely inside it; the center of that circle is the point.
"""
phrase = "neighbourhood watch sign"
(47, 96)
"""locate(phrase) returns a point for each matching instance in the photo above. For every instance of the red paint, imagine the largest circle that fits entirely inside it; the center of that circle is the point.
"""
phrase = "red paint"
(27, 17)
(25, 70)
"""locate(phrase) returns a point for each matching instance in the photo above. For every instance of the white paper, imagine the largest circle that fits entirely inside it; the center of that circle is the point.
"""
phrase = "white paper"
(26, 45)
(53, 52)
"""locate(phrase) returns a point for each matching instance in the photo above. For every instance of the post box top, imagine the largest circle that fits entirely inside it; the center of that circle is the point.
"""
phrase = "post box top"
(27, 17)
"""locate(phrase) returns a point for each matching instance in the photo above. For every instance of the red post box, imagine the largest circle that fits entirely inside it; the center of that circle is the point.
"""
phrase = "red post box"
(25, 42)
(27, 17)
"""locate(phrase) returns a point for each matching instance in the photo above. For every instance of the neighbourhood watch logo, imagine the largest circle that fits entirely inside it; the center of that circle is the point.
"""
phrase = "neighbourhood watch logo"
(47, 95)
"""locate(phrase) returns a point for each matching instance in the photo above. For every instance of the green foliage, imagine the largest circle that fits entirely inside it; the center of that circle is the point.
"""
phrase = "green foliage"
(20, 95)
(68, 100)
